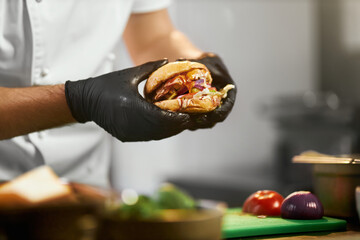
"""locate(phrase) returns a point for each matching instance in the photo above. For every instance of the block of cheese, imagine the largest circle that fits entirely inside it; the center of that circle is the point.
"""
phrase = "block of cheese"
(38, 186)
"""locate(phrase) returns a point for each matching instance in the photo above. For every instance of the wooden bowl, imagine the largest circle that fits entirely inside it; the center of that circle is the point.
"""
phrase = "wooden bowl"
(63, 220)
(85, 219)
(199, 224)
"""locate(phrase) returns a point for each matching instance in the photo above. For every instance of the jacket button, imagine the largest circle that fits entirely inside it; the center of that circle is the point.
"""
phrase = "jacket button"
(44, 72)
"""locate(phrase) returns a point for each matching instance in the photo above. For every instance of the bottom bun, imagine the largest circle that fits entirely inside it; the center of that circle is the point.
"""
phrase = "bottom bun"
(190, 105)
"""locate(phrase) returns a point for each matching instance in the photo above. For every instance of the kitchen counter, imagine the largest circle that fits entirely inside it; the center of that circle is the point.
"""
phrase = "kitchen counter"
(352, 233)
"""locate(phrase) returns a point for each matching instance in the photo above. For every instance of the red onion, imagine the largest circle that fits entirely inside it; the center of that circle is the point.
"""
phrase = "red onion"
(199, 84)
(199, 87)
(302, 205)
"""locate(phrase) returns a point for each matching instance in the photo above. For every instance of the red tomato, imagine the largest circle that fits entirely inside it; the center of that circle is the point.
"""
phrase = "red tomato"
(264, 202)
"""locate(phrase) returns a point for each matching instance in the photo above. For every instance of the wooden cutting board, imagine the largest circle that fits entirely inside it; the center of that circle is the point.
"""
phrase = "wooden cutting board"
(236, 224)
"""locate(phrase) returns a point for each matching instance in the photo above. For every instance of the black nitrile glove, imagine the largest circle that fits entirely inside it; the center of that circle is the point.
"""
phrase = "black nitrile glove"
(114, 103)
(221, 78)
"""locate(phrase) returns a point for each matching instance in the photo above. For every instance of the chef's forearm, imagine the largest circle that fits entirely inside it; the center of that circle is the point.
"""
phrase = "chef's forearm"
(179, 46)
(30, 109)
(173, 46)
(146, 43)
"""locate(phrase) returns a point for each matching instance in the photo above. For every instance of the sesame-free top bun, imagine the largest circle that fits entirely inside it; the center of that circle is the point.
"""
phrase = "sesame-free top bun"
(170, 70)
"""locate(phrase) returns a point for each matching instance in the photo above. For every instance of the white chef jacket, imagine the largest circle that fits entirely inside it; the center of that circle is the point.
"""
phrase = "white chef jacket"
(45, 42)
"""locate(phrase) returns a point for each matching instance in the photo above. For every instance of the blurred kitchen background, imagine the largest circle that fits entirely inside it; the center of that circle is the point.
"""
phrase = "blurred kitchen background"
(297, 66)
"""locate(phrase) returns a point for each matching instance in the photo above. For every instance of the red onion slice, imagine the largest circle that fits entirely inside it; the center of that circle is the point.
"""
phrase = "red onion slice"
(199, 84)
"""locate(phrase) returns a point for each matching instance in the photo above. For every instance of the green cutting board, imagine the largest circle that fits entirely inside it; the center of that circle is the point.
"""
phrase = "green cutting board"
(237, 224)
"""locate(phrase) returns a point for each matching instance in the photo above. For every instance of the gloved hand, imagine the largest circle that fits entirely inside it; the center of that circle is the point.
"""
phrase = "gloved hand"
(221, 78)
(114, 103)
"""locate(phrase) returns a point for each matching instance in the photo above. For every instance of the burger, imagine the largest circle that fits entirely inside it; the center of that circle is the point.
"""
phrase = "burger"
(184, 86)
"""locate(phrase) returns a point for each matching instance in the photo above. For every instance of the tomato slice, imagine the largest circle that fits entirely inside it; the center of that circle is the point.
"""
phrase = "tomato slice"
(212, 89)
(264, 202)
(186, 96)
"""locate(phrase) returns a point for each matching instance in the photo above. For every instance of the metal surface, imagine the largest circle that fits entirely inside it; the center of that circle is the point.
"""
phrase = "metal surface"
(334, 180)
(318, 158)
